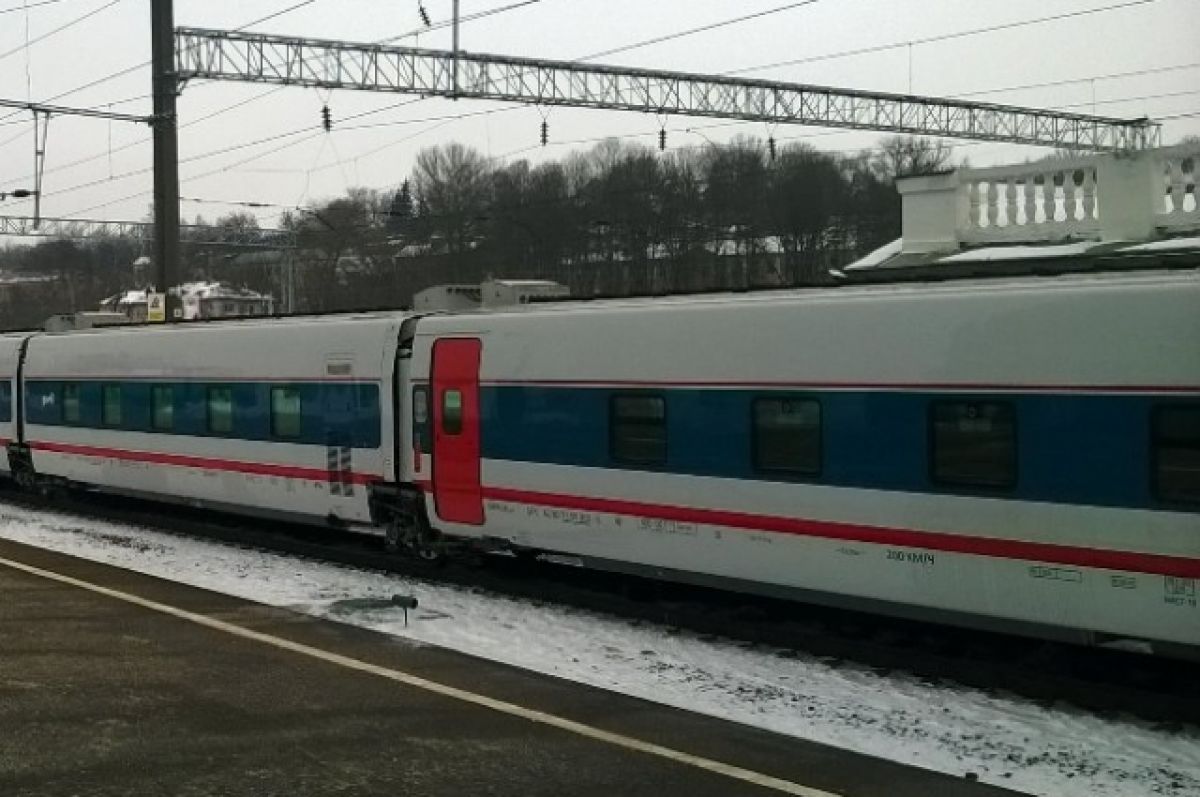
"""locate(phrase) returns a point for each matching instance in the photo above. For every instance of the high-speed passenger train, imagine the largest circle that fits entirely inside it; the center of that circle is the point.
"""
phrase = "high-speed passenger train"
(1020, 453)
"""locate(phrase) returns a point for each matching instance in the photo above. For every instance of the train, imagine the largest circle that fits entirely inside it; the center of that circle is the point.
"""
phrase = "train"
(1019, 454)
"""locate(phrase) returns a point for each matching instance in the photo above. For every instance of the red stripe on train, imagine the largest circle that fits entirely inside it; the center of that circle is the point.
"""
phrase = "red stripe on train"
(1048, 553)
(206, 463)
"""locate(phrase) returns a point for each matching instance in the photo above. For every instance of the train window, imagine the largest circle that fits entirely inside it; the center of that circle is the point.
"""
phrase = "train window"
(220, 410)
(71, 408)
(162, 408)
(420, 405)
(285, 411)
(974, 444)
(452, 411)
(638, 425)
(110, 413)
(787, 435)
(1175, 442)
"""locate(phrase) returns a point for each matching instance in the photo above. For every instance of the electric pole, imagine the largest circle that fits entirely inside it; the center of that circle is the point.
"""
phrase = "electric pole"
(166, 148)
(455, 94)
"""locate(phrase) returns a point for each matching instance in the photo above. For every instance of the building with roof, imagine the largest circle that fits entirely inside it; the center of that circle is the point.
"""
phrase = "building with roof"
(200, 300)
(1090, 213)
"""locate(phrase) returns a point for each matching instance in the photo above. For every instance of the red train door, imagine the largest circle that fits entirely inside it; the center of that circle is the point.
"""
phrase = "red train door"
(457, 492)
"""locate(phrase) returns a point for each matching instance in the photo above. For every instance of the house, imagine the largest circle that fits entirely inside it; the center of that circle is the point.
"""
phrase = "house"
(199, 299)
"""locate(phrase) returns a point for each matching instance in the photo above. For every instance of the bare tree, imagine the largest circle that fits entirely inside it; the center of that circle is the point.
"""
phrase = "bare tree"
(909, 156)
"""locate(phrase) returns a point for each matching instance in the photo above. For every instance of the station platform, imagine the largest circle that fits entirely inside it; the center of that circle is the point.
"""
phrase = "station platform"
(116, 683)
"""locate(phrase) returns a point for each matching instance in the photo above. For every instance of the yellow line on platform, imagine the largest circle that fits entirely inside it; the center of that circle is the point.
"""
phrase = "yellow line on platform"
(417, 682)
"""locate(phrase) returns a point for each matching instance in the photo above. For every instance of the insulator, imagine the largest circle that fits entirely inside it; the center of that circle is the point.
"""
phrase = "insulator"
(424, 15)
(545, 133)
(662, 139)
(771, 146)
(326, 118)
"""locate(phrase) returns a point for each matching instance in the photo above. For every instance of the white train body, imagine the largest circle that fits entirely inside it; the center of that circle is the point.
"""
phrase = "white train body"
(983, 451)
(286, 417)
(1017, 452)
(10, 355)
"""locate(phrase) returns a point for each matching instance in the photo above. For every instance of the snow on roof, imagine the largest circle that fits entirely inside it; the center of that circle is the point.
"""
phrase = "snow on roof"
(885, 252)
(526, 283)
(215, 290)
(128, 297)
(1170, 244)
(188, 290)
(991, 253)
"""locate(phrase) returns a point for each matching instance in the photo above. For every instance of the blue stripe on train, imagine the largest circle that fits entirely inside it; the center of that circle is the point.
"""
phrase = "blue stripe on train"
(1071, 448)
(343, 414)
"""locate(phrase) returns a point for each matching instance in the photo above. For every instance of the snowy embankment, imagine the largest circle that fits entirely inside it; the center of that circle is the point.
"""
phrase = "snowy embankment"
(1006, 741)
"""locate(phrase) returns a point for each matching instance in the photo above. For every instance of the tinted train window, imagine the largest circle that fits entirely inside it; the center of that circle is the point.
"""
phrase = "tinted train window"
(787, 435)
(639, 429)
(285, 411)
(974, 444)
(452, 411)
(1175, 440)
(111, 408)
(72, 412)
(162, 409)
(220, 410)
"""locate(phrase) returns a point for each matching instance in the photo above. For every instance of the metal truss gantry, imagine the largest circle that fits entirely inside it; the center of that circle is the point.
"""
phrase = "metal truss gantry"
(143, 231)
(285, 60)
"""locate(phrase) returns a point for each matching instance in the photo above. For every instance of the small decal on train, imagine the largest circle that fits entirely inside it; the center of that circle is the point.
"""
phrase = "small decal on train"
(571, 517)
(659, 526)
(1180, 591)
(912, 557)
(1123, 582)
(1056, 574)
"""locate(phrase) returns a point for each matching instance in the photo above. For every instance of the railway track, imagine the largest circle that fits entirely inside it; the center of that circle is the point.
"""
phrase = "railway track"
(1094, 679)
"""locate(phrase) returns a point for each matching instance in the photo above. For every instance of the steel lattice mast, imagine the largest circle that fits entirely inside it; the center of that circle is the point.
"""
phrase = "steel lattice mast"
(286, 60)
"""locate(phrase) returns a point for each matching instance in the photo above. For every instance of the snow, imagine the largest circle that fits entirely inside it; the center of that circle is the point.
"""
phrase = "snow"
(1166, 245)
(881, 254)
(1045, 750)
(991, 253)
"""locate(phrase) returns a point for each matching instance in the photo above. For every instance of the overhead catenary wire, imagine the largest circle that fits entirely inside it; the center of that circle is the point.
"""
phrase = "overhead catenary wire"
(701, 29)
(143, 64)
(28, 6)
(447, 120)
(275, 14)
(60, 29)
(220, 111)
(445, 23)
(811, 59)
(442, 119)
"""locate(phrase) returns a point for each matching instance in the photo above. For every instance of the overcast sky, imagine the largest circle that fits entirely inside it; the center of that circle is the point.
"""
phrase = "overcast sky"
(1090, 49)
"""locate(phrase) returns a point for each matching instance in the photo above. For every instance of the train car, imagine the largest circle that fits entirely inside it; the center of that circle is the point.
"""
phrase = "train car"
(10, 355)
(289, 418)
(1018, 453)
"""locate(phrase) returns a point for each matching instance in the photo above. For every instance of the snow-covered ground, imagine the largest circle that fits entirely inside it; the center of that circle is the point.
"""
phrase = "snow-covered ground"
(1007, 741)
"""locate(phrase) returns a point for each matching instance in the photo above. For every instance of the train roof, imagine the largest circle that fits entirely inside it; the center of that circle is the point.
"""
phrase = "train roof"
(1083, 282)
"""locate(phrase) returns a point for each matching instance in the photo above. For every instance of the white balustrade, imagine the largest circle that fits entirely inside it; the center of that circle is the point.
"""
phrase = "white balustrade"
(1051, 200)
(1134, 196)
(1180, 211)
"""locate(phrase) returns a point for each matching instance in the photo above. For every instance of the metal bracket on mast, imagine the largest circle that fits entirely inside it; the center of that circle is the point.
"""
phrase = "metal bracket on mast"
(41, 126)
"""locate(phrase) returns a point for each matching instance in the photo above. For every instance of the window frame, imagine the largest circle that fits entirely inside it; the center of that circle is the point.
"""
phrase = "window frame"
(77, 389)
(208, 409)
(794, 473)
(959, 485)
(299, 417)
(443, 427)
(155, 392)
(613, 401)
(1155, 440)
(105, 420)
